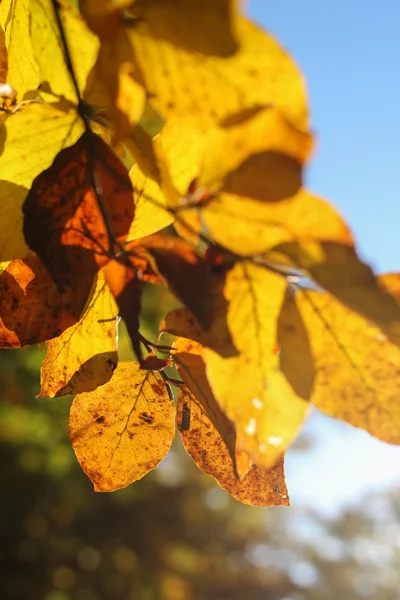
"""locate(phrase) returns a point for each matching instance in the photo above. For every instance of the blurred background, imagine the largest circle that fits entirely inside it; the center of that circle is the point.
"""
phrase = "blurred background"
(175, 535)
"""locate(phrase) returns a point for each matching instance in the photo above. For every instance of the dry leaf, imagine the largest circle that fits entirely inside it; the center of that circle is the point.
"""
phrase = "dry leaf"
(33, 310)
(202, 441)
(63, 221)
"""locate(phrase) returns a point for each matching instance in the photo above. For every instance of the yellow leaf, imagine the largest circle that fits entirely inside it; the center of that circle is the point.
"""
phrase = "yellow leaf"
(252, 388)
(116, 80)
(357, 367)
(82, 45)
(23, 74)
(30, 138)
(248, 227)
(123, 429)
(151, 213)
(188, 358)
(3, 57)
(337, 268)
(263, 155)
(203, 26)
(85, 355)
(181, 82)
(202, 441)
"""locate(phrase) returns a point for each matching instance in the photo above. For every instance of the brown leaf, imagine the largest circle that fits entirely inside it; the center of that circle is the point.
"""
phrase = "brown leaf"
(123, 429)
(33, 310)
(202, 441)
(188, 357)
(196, 283)
(63, 221)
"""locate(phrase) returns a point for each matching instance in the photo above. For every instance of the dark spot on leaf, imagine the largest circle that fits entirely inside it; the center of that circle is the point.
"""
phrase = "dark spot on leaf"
(146, 417)
(185, 424)
(100, 420)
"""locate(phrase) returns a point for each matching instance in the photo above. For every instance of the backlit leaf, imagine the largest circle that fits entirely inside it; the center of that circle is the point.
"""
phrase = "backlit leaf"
(267, 408)
(123, 429)
(126, 288)
(195, 283)
(188, 357)
(29, 139)
(22, 70)
(249, 227)
(203, 26)
(250, 388)
(63, 221)
(186, 83)
(32, 309)
(151, 214)
(85, 355)
(259, 487)
(357, 367)
(337, 268)
(263, 155)
(82, 45)
(117, 80)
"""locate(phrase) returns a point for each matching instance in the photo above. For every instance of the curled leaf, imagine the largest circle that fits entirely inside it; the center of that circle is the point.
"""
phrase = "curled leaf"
(188, 357)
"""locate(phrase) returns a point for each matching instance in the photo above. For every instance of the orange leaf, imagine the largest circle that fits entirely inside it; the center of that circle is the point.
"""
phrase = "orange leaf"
(63, 222)
(123, 429)
(33, 310)
(202, 441)
(197, 284)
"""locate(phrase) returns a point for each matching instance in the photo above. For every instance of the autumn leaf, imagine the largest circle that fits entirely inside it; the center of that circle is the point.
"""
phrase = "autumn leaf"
(30, 139)
(49, 51)
(184, 24)
(64, 219)
(22, 70)
(202, 441)
(33, 310)
(180, 82)
(188, 358)
(263, 156)
(85, 355)
(125, 286)
(337, 268)
(197, 284)
(251, 388)
(151, 213)
(116, 83)
(122, 430)
(357, 367)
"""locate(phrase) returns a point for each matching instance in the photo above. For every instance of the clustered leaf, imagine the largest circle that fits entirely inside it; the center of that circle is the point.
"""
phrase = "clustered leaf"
(163, 143)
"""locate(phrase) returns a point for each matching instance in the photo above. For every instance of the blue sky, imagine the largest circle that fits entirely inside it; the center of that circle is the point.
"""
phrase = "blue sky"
(349, 53)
